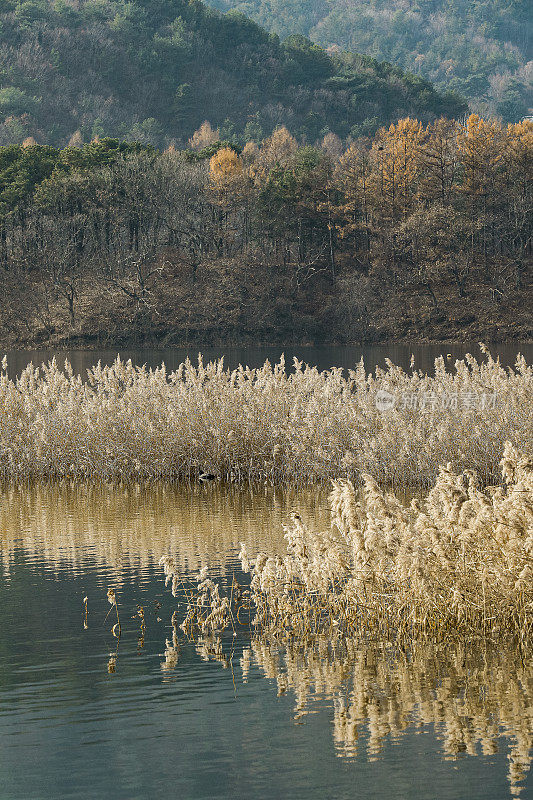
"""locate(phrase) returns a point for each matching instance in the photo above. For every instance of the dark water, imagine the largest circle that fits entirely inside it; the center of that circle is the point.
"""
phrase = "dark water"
(322, 357)
(84, 716)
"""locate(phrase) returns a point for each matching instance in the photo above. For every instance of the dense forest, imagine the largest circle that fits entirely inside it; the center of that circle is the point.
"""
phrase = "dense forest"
(423, 232)
(482, 49)
(153, 71)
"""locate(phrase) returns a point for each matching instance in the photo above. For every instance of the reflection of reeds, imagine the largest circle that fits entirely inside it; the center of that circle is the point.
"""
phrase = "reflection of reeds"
(172, 649)
(471, 695)
(133, 423)
(458, 562)
(372, 615)
(73, 526)
(112, 600)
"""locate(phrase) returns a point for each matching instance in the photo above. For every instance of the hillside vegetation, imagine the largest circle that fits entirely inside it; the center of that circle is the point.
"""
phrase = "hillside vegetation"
(423, 233)
(153, 72)
(479, 48)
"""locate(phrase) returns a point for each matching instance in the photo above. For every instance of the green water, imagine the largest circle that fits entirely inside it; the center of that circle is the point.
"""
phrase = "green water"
(85, 716)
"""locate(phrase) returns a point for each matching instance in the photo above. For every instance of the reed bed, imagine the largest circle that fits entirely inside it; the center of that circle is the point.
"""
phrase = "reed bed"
(267, 424)
(458, 562)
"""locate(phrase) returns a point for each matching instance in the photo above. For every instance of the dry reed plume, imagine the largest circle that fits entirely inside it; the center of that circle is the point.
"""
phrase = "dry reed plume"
(263, 424)
(459, 561)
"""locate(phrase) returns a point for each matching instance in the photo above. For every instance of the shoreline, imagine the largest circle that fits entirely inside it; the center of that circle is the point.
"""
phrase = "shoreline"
(88, 344)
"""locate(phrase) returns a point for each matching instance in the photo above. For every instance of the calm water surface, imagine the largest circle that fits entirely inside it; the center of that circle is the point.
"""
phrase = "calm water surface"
(84, 716)
(322, 357)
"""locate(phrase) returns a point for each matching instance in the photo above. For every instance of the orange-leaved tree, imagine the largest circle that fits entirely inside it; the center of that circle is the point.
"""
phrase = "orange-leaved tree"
(396, 161)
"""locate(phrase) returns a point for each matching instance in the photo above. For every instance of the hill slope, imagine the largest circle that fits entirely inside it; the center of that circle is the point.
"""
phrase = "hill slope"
(482, 49)
(153, 71)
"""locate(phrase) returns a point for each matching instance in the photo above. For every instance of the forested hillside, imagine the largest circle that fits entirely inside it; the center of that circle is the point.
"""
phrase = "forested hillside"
(424, 233)
(482, 49)
(153, 71)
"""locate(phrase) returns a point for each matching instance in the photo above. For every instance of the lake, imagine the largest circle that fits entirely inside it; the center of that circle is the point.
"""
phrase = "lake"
(322, 357)
(84, 715)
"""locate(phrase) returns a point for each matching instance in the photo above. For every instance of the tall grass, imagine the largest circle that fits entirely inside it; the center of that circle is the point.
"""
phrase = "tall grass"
(263, 424)
(459, 561)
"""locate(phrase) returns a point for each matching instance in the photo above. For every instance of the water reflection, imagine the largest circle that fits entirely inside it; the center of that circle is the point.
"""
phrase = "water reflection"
(469, 694)
(323, 357)
(83, 714)
(72, 525)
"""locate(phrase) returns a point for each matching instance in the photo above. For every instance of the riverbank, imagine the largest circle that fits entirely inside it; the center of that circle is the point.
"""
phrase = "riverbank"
(227, 305)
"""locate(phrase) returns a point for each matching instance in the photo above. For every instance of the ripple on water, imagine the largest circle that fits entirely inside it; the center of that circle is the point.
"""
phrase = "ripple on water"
(85, 715)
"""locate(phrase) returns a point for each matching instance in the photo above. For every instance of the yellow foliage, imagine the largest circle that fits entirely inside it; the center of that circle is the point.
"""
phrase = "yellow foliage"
(204, 136)
(438, 160)
(224, 166)
(520, 144)
(480, 148)
(396, 157)
(279, 147)
(276, 150)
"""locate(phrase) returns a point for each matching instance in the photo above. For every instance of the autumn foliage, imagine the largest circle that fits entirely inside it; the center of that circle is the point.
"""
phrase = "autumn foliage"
(279, 236)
